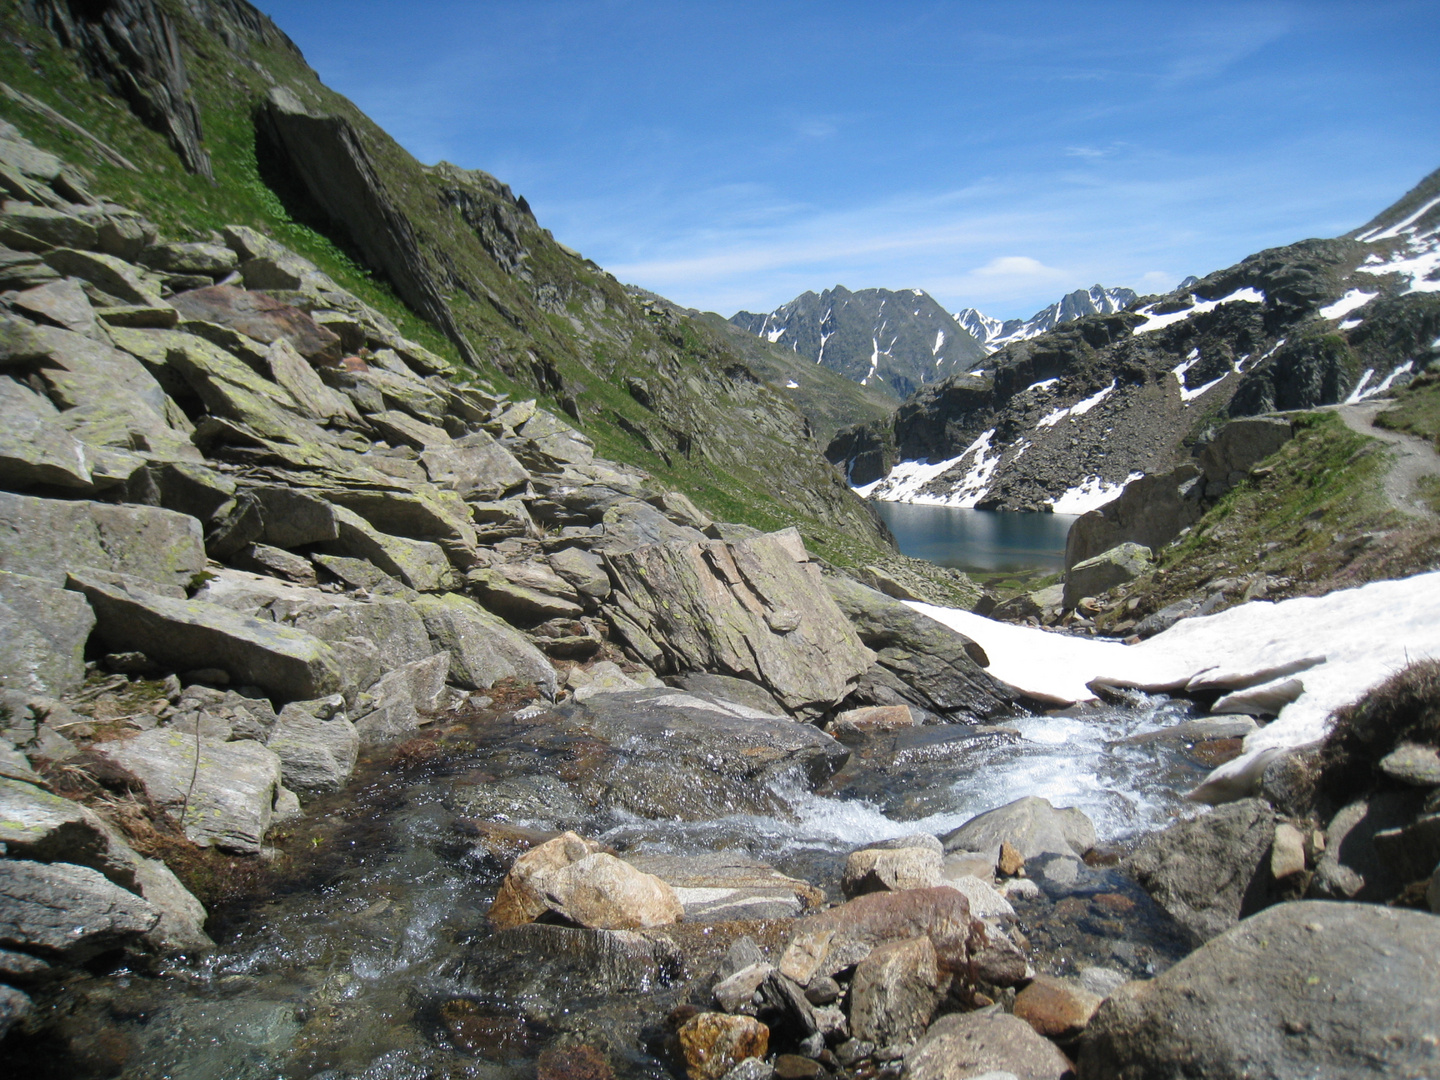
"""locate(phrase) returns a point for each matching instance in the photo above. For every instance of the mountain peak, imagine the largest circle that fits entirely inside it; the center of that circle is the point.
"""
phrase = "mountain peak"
(993, 334)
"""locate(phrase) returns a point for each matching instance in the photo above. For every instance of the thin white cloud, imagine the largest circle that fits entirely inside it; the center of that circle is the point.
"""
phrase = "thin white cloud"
(1017, 268)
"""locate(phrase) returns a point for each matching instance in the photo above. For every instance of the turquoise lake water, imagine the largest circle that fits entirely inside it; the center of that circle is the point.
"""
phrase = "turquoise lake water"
(978, 539)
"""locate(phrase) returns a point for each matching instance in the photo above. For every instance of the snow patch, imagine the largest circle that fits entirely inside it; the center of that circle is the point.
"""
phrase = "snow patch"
(792, 385)
(1359, 636)
(1159, 322)
(1351, 324)
(1353, 299)
(1361, 393)
(905, 480)
(1422, 267)
(1090, 495)
(1080, 408)
(1405, 225)
(939, 342)
(1043, 384)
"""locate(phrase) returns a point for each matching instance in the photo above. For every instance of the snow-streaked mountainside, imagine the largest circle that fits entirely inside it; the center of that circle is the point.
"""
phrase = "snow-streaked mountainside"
(1062, 420)
(896, 341)
(994, 334)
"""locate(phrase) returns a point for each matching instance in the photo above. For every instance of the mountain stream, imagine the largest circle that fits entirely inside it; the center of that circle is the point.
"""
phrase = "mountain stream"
(368, 954)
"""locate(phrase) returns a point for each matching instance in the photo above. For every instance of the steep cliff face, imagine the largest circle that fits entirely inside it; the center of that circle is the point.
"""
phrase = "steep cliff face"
(1062, 420)
(232, 127)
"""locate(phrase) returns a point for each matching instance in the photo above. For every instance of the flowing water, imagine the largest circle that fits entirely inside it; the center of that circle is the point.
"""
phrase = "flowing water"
(371, 956)
(985, 540)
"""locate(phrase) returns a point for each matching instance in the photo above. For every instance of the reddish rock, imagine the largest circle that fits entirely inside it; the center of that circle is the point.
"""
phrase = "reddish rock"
(713, 1043)
(1055, 1008)
(1011, 861)
(582, 1062)
(261, 318)
(836, 939)
(894, 992)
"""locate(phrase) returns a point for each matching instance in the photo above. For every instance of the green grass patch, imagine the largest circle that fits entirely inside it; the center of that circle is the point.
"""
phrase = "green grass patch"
(1417, 412)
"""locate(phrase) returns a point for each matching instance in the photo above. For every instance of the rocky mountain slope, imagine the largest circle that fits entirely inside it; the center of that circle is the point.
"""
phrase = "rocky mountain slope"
(199, 116)
(995, 334)
(1061, 421)
(894, 341)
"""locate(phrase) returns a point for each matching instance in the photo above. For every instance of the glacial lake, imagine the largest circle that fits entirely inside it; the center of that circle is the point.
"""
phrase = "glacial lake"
(978, 539)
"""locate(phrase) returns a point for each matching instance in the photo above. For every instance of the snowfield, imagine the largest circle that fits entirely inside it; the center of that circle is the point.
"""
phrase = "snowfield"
(1334, 647)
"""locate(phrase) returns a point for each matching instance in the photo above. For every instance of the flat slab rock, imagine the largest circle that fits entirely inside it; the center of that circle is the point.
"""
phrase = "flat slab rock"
(717, 887)
(68, 911)
(235, 784)
(191, 634)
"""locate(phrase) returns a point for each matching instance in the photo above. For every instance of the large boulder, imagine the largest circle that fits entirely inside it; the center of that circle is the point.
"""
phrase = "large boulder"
(601, 892)
(418, 563)
(1101, 573)
(483, 648)
(35, 445)
(191, 634)
(1302, 989)
(1032, 825)
(927, 663)
(43, 631)
(261, 318)
(1151, 511)
(47, 538)
(226, 799)
(475, 467)
(1211, 871)
(985, 1046)
(752, 608)
(714, 1043)
(1236, 448)
(68, 912)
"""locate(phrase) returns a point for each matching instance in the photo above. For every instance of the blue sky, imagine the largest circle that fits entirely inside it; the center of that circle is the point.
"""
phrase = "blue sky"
(733, 155)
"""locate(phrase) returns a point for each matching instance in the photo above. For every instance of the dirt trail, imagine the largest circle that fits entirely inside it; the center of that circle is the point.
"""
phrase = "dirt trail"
(1414, 457)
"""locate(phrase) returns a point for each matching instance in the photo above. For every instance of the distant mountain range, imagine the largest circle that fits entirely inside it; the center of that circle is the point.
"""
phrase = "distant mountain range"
(992, 334)
(896, 341)
(1063, 419)
(899, 341)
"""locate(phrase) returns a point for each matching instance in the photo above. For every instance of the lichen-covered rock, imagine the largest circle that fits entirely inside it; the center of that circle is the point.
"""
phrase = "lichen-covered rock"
(47, 538)
(35, 445)
(714, 1043)
(400, 702)
(483, 648)
(418, 563)
(226, 800)
(43, 631)
(1101, 573)
(475, 467)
